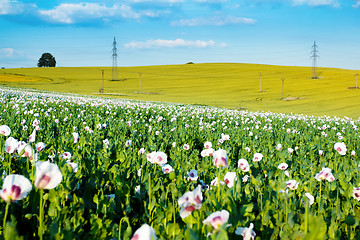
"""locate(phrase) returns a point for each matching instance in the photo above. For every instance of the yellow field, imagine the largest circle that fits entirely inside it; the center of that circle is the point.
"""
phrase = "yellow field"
(231, 85)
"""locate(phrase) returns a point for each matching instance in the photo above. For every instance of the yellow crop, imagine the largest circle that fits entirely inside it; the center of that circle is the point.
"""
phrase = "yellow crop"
(231, 85)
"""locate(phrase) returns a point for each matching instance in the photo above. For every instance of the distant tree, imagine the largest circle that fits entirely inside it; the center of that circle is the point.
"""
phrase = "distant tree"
(46, 60)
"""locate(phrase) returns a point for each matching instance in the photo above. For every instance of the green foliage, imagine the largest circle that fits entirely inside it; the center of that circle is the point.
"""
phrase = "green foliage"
(46, 60)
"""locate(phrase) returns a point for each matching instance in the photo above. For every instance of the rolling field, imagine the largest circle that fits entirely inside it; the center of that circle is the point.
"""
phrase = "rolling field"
(230, 85)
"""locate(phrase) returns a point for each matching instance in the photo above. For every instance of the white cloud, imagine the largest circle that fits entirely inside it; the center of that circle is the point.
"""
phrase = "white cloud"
(213, 21)
(357, 4)
(8, 52)
(8, 7)
(79, 12)
(172, 43)
(211, 1)
(165, 1)
(314, 3)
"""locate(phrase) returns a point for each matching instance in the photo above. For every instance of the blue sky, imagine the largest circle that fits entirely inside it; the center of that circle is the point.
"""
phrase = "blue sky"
(278, 32)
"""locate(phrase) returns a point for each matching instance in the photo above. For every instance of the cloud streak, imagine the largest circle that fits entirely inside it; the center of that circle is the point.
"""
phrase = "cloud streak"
(213, 21)
(8, 7)
(8, 52)
(172, 43)
(69, 13)
(314, 3)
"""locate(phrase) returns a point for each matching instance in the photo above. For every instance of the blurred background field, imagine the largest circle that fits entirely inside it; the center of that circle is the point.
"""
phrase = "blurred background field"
(253, 87)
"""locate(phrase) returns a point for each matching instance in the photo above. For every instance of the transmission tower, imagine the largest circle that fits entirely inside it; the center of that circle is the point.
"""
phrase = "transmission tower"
(314, 56)
(114, 66)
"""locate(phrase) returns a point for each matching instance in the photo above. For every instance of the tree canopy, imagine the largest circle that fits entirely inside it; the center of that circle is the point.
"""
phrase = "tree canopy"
(46, 60)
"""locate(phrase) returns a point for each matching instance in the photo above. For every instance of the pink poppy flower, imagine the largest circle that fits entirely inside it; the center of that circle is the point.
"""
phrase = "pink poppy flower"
(192, 175)
(225, 137)
(5, 130)
(257, 157)
(229, 179)
(15, 187)
(283, 166)
(142, 151)
(356, 193)
(310, 197)
(243, 164)
(208, 152)
(26, 149)
(215, 182)
(245, 178)
(321, 152)
(220, 158)
(36, 122)
(145, 232)
(217, 219)
(137, 189)
(47, 175)
(278, 147)
(75, 137)
(106, 143)
(167, 169)
(325, 174)
(290, 150)
(340, 148)
(11, 145)
(128, 143)
(190, 202)
(40, 146)
(207, 145)
(247, 233)
(110, 196)
(66, 155)
(186, 147)
(292, 184)
(73, 165)
(32, 136)
(158, 158)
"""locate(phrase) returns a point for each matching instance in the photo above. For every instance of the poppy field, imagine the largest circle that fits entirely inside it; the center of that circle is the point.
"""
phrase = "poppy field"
(77, 167)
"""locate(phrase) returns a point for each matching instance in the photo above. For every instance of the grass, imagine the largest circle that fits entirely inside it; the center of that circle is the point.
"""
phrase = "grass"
(231, 85)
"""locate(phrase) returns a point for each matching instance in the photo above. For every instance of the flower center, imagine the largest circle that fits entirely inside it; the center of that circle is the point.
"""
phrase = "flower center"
(44, 181)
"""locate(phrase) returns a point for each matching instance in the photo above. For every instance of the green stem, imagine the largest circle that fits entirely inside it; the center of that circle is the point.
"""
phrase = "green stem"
(319, 203)
(150, 193)
(41, 215)
(27, 164)
(306, 216)
(173, 201)
(9, 170)
(337, 202)
(219, 185)
(5, 216)
(286, 210)
(120, 228)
